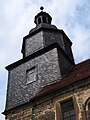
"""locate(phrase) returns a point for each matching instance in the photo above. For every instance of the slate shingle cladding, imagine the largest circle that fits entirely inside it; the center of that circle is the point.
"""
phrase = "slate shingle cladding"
(78, 76)
(49, 71)
(44, 36)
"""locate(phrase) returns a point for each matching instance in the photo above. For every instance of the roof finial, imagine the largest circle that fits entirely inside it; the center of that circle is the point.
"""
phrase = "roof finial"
(41, 8)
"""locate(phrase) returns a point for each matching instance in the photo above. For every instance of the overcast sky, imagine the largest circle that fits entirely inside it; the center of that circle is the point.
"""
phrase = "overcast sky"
(17, 18)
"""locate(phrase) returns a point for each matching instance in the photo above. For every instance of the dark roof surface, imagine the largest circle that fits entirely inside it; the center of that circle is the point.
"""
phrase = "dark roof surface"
(79, 72)
(35, 54)
(43, 27)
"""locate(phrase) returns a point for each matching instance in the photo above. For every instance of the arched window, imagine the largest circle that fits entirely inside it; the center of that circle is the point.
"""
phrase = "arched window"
(44, 19)
(88, 109)
(39, 20)
(88, 112)
(89, 106)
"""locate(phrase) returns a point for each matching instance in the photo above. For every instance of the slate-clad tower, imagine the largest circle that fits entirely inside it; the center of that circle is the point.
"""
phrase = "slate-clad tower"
(47, 58)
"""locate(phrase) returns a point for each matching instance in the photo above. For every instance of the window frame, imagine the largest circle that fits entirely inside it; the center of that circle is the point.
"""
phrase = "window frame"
(66, 107)
(31, 71)
(87, 106)
(59, 110)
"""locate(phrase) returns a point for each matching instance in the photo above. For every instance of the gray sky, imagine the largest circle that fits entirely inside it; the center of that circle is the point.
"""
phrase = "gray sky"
(17, 18)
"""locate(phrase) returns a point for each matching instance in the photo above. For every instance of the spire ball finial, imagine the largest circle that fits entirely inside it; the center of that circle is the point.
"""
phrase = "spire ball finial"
(41, 8)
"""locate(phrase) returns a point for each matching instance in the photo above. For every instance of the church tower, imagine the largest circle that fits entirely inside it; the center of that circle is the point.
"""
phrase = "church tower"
(47, 59)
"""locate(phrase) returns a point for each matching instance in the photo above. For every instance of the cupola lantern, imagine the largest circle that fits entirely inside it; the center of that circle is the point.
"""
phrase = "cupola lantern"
(42, 17)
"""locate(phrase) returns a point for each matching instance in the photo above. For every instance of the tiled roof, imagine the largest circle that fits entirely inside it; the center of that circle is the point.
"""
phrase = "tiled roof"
(36, 54)
(79, 72)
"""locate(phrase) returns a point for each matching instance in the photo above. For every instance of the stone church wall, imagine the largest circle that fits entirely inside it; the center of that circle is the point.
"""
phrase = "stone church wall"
(50, 109)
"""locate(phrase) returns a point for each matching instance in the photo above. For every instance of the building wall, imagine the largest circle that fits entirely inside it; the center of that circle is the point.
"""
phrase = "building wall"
(44, 111)
(47, 70)
(48, 108)
(24, 113)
